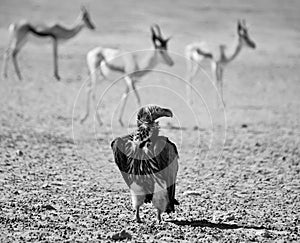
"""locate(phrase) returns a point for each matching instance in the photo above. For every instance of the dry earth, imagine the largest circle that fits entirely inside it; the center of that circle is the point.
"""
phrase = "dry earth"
(58, 182)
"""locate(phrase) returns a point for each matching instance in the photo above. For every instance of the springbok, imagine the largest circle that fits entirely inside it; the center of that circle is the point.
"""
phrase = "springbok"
(133, 65)
(18, 33)
(197, 52)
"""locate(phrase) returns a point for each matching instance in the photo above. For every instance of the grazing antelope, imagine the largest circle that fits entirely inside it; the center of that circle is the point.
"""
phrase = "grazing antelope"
(133, 65)
(148, 162)
(196, 52)
(18, 33)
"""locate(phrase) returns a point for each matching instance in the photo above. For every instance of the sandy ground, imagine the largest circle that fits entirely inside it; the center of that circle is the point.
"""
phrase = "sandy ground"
(239, 168)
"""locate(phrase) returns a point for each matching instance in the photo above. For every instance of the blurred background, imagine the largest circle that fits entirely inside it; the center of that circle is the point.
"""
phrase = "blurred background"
(257, 135)
(257, 84)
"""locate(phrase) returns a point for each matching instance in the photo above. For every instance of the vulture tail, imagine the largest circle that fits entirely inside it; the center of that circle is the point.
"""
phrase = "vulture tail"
(173, 157)
(173, 200)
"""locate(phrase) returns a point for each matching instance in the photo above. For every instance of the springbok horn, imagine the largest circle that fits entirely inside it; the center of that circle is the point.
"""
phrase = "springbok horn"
(169, 38)
(158, 30)
(154, 36)
(83, 8)
(244, 23)
(239, 24)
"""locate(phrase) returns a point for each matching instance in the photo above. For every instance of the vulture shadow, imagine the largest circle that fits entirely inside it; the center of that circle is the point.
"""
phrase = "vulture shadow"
(206, 223)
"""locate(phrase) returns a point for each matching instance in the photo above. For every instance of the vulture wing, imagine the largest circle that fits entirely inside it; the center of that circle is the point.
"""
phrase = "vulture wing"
(118, 147)
(167, 156)
(136, 165)
(145, 167)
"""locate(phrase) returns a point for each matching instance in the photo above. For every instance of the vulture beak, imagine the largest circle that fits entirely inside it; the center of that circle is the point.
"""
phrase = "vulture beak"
(163, 112)
(167, 113)
(149, 114)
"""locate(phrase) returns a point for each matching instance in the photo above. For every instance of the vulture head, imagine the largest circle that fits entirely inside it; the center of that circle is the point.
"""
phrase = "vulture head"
(148, 114)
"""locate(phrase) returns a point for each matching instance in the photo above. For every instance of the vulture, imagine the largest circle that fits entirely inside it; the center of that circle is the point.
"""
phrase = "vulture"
(148, 162)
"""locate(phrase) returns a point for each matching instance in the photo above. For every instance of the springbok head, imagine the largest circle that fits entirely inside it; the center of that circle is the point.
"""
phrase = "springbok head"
(85, 17)
(244, 35)
(161, 44)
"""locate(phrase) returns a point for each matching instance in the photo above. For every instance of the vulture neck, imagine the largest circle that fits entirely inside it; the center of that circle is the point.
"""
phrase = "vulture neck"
(147, 131)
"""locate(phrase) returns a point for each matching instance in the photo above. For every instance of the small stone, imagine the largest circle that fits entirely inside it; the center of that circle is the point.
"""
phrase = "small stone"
(48, 207)
(230, 218)
(267, 234)
(16, 192)
(19, 153)
(123, 235)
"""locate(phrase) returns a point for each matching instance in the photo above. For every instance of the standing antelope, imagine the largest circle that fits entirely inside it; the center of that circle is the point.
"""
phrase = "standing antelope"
(133, 65)
(18, 33)
(196, 52)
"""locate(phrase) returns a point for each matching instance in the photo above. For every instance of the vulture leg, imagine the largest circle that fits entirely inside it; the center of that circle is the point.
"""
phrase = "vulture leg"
(137, 215)
(138, 198)
(159, 215)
